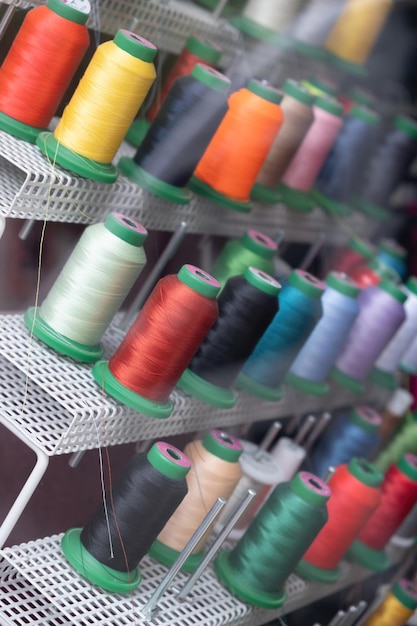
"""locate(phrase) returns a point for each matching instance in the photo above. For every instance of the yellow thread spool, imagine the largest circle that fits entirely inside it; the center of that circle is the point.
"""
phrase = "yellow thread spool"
(102, 107)
(397, 607)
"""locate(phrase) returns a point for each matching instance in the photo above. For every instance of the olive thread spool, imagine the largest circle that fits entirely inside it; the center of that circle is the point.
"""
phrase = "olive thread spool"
(350, 434)
(398, 497)
(256, 569)
(40, 64)
(357, 252)
(356, 494)
(215, 471)
(161, 342)
(404, 441)
(253, 119)
(247, 306)
(299, 311)
(299, 177)
(108, 549)
(90, 288)
(310, 369)
(394, 255)
(381, 315)
(179, 135)
(103, 106)
(298, 116)
(267, 20)
(397, 607)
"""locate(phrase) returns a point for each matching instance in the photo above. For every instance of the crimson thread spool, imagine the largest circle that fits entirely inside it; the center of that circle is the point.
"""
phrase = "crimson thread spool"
(358, 251)
(397, 607)
(161, 342)
(356, 494)
(40, 64)
(215, 471)
(241, 144)
(120, 532)
(195, 51)
(398, 496)
(371, 273)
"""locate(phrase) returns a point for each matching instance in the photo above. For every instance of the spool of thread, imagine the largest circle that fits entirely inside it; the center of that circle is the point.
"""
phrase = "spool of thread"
(388, 363)
(371, 273)
(357, 95)
(256, 569)
(299, 177)
(387, 168)
(312, 25)
(215, 472)
(409, 360)
(406, 535)
(161, 342)
(397, 607)
(319, 87)
(253, 249)
(247, 305)
(394, 255)
(265, 19)
(398, 497)
(354, 34)
(108, 549)
(381, 315)
(298, 117)
(102, 108)
(90, 289)
(356, 494)
(195, 51)
(358, 251)
(241, 144)
(310, 369)
(289, 456)
(405, 441)
(179, 135)
(397, 406)
(299, 311)
(339, 178)
(40, 64)
(350, 434)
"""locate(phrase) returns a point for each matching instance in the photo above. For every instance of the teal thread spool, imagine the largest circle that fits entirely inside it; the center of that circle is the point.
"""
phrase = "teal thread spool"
(256, 569)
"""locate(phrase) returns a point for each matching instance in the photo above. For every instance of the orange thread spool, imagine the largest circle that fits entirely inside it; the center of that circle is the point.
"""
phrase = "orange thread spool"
(41, 63)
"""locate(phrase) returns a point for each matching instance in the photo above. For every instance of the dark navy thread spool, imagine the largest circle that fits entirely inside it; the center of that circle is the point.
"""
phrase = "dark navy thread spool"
(179, 135)
(339, 178)
(310, 369)
(247, 305)
(300, 309)
(107, 550)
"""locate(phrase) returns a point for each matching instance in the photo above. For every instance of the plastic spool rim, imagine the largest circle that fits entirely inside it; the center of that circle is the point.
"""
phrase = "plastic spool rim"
(383, 379)
(207, 392)
(259, 390)
(256, 31)
(375, 560)
(263, 194)
(318, 574)
(334, 207)
(308, 387)
(295, 199)
(157, 187)
(167, 556)
(204, 190)
(19, 129)
(346, 381)
(137, 131)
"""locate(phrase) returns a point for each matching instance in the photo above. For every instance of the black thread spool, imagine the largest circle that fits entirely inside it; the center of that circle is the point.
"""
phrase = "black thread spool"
(108, 549)
(247, 305)
(179, 135)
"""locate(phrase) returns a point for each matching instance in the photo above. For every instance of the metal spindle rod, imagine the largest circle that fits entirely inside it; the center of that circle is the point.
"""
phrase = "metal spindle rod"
(268, 439)
(7, 18)
(26, 228)
(360, 610)
(313, 251)
(219, 9)
(330, 471)
(304, 429)
(75, 458)
(318, 430)
(350, 617)
(338, 619)
(292, 424)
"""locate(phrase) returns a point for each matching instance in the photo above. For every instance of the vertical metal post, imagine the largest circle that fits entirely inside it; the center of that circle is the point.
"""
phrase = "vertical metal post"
(313, 251)
(219, 9)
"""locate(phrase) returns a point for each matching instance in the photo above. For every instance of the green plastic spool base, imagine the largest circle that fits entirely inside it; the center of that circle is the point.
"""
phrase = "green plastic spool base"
(206, 191)
(309, 387)
(308, 50)
(19, 129)
(257, 31)
(105, 379)
(138, 175)
(298, 200)
(312, 572)
(256, 597)
(372, 210)
(408, 369)
(97, 573)
(346, 381)
(375, 560)
(59, 343)
(264, 194)
(137, 131)
(347, 66)
(87, 168)
(257, 389)
(207, 392)
(386, 380)
(167, 556)
(331, 206)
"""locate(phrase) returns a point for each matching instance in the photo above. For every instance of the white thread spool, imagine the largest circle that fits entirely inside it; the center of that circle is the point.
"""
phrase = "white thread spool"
(289, 456)
(315, 21)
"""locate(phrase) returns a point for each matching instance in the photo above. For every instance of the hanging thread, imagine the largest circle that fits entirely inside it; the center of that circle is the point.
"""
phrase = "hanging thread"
(215, 472)
(241, 144)
(299, 311)
(179, 135)
(392, 254)
(40, 64)
(161, 342)
(247, 305)
(397, 607)
(109, 548)
(102, 107)
(263, 19)
(310, 369)
(405, 441)
(256, 569)
(381, 315)
(356, 494)
(350, 434)
(90, 288)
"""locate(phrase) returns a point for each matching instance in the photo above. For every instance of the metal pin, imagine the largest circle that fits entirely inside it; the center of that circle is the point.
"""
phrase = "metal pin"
(211, 553)
(219, 9)
(27, 226)
(338, 619)
(7, 18)
(268, 439)
(330, 471)
(361, 608)
(317, 431)
(292, 424)
(313, 251)
(279, 238)
(151, 609)
(350, 617)
(304, 430)
(76, 458)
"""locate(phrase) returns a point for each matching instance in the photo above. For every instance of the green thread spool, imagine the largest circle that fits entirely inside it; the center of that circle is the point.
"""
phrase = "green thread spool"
(404, 442)
(256, 569)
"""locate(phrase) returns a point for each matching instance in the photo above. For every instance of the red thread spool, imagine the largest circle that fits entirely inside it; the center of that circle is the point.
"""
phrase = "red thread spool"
(368, 275)
(40, 64)
(399, 495)
(355, 496)
(161, 342)
(358, 252)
